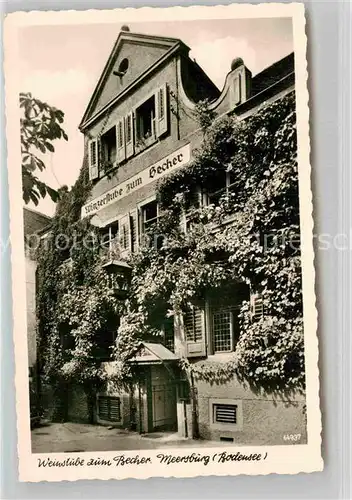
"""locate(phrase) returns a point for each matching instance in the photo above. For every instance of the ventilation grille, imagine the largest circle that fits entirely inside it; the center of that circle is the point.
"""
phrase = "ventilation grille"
(225, 414)
(109, 408)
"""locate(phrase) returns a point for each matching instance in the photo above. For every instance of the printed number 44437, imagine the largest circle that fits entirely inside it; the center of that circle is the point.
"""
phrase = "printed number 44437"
(291, 437)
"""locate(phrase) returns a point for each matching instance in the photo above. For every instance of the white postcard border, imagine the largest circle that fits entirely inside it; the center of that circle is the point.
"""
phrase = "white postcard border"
(283, 459)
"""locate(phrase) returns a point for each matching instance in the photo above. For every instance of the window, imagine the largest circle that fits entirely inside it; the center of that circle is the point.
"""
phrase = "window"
(108, 149)
(224, 306)
(67, 340)
(169, 334)
(150, 217)
(123, 66)
(225, 329)
(105, 339)
(104, 342)
(145, 122)
(109, 236)
(223, 183)
(109, 408)
(226, 414)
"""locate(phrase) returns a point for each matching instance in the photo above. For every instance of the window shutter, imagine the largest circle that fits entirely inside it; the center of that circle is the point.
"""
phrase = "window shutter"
(129, 129)
(102, 154)
(162, 108)
(193, 324)
(93, 159)
(134, 230)
(120, 140)
(124, 233)
(257, 306)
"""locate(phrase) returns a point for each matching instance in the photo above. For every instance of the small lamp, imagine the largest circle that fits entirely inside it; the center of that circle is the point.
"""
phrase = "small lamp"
(119, 277)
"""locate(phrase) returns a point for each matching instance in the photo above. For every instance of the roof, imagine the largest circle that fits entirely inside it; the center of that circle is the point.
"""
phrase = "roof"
(150, 352)
(272, 74)
(170, 44)
(35, 222)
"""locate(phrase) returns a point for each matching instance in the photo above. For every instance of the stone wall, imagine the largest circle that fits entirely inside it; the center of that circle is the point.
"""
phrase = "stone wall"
(262, 418)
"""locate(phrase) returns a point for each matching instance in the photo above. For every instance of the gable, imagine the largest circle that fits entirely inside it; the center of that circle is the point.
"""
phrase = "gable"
(132, 55)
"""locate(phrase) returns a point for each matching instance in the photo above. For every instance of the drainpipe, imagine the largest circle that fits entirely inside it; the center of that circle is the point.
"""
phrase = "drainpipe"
(140, 406)
(194, 409)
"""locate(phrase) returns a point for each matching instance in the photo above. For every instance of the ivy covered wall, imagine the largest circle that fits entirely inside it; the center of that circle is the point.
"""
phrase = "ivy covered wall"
(259, 247)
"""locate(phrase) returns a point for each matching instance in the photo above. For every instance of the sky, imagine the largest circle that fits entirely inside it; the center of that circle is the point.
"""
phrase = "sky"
(61, 64)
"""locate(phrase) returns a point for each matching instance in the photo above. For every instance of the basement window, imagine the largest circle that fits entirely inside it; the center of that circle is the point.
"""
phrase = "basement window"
(226, 414)
(109, 408)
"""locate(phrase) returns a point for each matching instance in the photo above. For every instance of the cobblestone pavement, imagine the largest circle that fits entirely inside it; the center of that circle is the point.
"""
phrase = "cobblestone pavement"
(71, 437)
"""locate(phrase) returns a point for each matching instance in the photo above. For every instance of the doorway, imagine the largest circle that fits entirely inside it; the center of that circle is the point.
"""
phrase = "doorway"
(163, 400)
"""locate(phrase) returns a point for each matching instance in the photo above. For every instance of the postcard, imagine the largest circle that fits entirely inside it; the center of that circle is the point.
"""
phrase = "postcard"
(162, 242)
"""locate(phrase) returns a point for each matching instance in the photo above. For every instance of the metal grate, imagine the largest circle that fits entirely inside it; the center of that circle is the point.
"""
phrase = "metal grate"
(225, 414)
(109, 408)
(222, 331)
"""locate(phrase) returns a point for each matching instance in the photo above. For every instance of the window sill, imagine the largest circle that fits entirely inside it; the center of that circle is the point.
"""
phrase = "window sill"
(222, 357)
(146, 143)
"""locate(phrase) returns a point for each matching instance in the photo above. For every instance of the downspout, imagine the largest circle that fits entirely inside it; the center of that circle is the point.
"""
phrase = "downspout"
(194, 409)
(140, 405)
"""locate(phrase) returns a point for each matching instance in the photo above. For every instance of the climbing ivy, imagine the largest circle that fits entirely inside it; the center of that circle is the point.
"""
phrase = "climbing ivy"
(260, 247)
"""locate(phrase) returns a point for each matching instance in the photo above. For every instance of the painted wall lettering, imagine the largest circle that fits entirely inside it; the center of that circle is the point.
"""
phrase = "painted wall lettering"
(178, 158)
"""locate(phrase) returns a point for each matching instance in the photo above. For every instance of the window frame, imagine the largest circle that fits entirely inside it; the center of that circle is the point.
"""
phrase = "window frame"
(164, 329)
(221, 310)
(140, 209)
(227, 189)
(233, 306)
(104, 147)
(143, 142)
(109, 243)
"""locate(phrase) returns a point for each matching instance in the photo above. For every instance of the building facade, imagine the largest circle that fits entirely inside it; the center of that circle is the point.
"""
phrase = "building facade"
(35, 225)
(140, 126)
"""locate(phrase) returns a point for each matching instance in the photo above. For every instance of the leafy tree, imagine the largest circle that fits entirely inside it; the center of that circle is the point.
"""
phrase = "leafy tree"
(40, 126)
